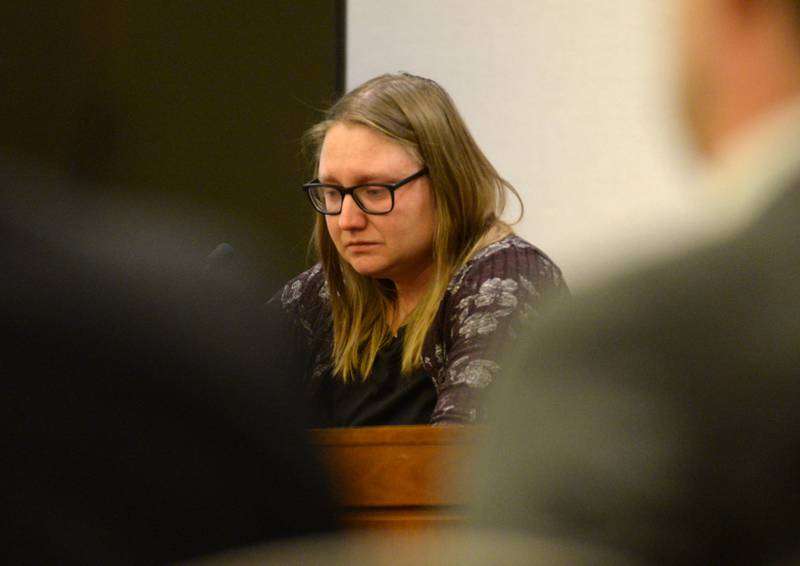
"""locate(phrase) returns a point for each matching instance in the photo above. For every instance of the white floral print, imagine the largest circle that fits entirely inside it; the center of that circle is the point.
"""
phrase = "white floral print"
(479, 323)
(438, 353)
(496, 290)
(292, 292)
(477, 374)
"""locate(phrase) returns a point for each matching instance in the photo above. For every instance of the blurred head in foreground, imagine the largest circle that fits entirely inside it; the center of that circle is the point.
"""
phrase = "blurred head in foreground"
(740, 59)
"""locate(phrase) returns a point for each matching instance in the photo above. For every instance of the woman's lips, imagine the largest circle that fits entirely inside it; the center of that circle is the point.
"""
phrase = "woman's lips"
(361, 246)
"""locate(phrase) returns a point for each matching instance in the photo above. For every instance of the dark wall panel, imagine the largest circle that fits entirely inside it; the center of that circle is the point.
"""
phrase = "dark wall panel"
(204, 101)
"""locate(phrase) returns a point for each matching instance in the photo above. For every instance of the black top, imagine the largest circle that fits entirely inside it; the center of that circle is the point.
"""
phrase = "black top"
(386, 398)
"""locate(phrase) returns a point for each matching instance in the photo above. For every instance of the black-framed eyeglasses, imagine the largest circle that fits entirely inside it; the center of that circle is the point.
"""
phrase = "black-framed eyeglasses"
(372, 198)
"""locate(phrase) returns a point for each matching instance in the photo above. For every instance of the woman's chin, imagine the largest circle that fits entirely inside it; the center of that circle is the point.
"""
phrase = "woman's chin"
(368, 267)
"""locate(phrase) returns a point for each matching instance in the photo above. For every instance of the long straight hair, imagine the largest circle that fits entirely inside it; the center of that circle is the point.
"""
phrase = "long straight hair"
(468, 196)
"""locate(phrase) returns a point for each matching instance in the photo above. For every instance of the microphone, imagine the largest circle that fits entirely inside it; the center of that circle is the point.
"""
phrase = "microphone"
(219, 259)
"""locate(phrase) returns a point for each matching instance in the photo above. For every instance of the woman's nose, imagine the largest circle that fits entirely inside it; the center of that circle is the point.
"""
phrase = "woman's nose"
(351, 217)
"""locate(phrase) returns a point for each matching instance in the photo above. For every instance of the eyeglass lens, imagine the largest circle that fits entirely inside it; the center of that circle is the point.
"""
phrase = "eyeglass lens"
(372, 198)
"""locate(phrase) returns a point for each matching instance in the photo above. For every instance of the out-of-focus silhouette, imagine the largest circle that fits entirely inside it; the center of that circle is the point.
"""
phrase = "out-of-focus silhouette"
(657, 417)
(149, 413)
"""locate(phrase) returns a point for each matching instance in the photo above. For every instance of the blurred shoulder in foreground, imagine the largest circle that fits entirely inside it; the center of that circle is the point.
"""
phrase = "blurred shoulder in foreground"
(148, 409)
(658, 416)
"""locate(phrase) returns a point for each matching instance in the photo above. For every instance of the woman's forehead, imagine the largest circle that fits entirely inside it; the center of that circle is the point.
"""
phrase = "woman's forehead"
(356, 150)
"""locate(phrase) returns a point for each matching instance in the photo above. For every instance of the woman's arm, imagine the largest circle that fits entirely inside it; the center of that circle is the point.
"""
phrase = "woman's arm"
(305, 309)
(506, 283)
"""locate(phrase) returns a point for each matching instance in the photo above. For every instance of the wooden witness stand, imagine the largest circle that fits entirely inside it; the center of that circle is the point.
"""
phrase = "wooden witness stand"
(398, 478)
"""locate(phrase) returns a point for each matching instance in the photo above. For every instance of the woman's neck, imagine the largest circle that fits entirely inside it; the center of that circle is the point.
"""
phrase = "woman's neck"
(409, 293)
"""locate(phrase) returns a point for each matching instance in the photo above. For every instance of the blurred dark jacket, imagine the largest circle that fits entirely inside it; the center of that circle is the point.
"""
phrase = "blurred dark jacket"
(148, 411)
(658, 416)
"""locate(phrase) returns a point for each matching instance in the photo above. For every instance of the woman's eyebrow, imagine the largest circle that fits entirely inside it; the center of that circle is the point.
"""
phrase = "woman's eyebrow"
(328, 180)
(361, 179)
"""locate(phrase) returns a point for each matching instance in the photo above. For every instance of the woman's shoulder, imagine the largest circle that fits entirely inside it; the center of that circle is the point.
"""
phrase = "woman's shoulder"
(304, 292)
(304, 303)
(509, 258)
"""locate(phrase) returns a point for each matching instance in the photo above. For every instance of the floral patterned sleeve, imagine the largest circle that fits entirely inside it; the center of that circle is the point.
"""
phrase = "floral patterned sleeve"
(304, 300)
(503, 283)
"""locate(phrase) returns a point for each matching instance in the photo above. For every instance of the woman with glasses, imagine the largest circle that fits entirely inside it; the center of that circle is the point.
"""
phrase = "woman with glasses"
(418, 281)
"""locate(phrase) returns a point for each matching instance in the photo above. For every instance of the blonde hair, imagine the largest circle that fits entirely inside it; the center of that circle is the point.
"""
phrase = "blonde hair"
(468, 195)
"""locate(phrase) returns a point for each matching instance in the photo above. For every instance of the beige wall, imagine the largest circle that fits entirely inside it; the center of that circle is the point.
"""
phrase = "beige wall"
(569, 98)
